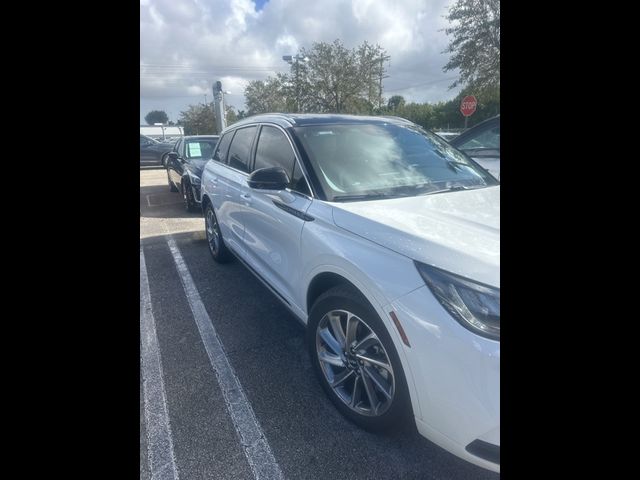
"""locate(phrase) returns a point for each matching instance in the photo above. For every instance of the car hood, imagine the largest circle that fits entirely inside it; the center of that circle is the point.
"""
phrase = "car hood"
(456, 231)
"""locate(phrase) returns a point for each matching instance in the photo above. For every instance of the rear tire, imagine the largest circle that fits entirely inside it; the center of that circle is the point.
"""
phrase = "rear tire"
(217, 248)
(344, 331)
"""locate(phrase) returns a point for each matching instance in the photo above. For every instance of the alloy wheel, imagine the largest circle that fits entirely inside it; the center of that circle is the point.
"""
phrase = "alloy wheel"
(355, 363)
(213, 231)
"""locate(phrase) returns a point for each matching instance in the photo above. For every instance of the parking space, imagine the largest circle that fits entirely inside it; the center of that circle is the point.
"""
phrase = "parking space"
(269, 388)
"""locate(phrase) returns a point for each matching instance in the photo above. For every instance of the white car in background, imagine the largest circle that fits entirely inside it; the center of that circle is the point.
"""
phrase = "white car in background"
(384, 241)
(482, 144)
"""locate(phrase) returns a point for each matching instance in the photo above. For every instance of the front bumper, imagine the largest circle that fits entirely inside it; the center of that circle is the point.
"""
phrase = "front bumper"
(456, 376)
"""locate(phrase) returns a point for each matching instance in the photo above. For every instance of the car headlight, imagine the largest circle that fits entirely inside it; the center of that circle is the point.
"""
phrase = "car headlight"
(195, 180)
(474, 305)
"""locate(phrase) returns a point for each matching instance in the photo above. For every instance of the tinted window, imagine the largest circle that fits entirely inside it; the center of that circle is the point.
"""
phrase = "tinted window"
(223, 147)
(298, 182)
(199, 149)
(177, 147)
(241, 148)
(274, 151)
(386, 160)
(487, 139)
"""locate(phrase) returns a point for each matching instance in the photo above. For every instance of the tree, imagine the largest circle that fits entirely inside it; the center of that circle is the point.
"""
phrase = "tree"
(270, 95)
(475, 43)
(396, 102)
(198, 120)
(339, 80)
(230, 115)
(156, 116)
(333, 80)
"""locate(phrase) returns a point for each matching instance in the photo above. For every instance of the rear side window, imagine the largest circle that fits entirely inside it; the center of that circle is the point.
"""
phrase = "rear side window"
(223, 147)
(240, 149)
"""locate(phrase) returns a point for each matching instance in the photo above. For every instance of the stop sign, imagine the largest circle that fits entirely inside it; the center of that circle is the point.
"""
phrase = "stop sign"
(468, 105)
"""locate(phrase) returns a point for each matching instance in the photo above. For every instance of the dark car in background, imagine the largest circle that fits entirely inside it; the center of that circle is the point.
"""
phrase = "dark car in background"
(482, 144)
(185, 164)
(152, 152)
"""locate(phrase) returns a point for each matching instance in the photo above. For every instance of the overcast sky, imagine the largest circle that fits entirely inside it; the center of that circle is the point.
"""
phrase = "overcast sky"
(185, 45)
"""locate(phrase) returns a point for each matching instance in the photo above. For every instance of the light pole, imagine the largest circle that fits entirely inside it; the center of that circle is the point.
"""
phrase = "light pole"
(290, 60)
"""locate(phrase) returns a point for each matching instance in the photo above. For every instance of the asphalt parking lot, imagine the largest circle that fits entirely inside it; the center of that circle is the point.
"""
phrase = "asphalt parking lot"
(227, 390)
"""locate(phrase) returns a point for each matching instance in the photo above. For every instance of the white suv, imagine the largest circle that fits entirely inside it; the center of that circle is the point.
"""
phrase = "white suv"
(383, 240)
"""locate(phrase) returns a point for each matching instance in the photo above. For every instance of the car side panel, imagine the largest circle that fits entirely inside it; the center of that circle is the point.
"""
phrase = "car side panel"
(223, 186)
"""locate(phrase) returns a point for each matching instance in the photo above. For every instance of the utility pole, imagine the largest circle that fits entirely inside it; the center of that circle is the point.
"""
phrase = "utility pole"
(218, 96)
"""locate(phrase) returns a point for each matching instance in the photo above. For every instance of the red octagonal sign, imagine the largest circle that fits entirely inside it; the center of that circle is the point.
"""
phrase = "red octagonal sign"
(468, 105)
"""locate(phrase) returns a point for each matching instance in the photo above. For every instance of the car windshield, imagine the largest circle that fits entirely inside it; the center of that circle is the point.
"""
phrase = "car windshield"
(386, 160)
(200, 149)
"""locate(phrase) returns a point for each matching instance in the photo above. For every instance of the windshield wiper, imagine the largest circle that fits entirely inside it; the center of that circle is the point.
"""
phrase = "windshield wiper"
(364, 196)
(455, 188)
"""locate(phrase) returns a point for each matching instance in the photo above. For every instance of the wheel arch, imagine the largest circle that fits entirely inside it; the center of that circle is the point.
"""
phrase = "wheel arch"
(326, 278)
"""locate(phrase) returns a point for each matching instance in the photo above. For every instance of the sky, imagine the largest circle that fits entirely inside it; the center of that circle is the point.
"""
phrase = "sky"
(186, 45)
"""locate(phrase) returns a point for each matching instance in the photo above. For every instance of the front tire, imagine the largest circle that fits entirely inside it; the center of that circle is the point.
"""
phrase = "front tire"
(217, 248)
(356, 361)
(189, 200)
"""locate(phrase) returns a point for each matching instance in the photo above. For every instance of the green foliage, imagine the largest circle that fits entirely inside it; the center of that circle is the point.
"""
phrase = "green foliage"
(333, 80)
(198, 120)
(475, 43)
(396, 102)
(446, 115)
(156, 116)
(270, 95)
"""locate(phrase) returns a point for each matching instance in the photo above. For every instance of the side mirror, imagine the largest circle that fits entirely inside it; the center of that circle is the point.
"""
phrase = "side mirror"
(273, 178)
(172, 156)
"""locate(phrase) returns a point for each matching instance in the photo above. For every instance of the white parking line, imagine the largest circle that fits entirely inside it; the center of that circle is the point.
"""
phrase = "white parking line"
(162, 461)
(256, 448)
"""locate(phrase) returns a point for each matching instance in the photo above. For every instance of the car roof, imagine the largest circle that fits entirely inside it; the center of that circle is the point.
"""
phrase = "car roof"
(301, 119)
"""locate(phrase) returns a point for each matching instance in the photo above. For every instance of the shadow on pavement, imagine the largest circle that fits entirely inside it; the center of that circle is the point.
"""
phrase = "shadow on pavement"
(156, 201)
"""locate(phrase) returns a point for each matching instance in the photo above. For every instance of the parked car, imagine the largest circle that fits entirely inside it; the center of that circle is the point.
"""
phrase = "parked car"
(185, 164)
(153, 152)
(448, 136)
(482, 143)
(384, 241)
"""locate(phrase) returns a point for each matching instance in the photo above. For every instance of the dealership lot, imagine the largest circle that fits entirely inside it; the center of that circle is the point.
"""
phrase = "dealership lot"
(238, 395)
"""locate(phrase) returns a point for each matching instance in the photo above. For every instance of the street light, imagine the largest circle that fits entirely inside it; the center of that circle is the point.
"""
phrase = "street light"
(290, 60)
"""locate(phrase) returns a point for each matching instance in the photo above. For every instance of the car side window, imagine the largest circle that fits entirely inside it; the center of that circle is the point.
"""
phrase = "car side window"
(143, 141)
(220, 154)
(488, 139)
(240, 148)
(178, 147)
(274, 150)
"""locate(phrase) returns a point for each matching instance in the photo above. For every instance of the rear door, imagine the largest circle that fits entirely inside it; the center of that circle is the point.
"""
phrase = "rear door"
(273, 221)
(233, 206)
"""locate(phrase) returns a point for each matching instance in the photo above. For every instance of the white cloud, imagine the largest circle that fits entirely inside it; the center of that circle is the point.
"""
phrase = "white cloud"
(186, 45)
